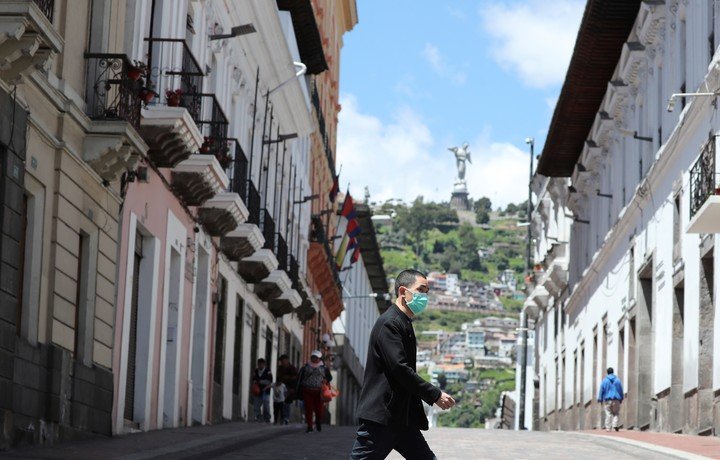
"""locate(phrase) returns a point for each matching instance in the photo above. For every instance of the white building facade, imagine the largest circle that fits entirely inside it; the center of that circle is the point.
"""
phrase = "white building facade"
(625, 223)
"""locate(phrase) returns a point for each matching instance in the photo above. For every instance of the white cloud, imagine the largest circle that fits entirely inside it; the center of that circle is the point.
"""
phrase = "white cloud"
(534, 38)
(456, 13)
(442, 68)
(401, 159)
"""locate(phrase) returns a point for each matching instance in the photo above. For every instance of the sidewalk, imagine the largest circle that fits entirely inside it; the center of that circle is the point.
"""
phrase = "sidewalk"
(702, 446)
(189, 442)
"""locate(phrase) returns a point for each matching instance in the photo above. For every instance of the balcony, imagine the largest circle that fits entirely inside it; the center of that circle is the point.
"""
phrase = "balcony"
(171, 123)
(281, 251)
(286, 303)
(198, 179)
(113, 103)
(256, 267)
(307, 308)
(273, 286)
(267, 226)
(28, 39)
(705, 191)
(322, 265)
(222, 214)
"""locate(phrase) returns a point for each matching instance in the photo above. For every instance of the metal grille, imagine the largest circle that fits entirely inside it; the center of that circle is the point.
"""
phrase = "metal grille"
(702, 177)
(111, 93)
(47, 7)
(253, 203)
(173, 67)
(282, 253)
(268, 230)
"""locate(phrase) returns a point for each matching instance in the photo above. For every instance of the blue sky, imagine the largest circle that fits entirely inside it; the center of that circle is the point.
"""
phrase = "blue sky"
(419, 76)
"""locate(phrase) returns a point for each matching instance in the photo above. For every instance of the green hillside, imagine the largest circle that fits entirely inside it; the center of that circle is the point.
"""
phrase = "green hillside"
(430, 237)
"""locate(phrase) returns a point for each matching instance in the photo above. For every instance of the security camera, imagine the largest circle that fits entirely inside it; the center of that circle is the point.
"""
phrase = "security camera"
(529, 140)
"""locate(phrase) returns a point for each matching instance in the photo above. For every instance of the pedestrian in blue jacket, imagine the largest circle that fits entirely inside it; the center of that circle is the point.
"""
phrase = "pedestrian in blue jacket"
(611, 395)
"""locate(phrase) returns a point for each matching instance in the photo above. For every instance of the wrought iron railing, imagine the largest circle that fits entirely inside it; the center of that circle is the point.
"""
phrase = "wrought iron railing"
(294, 273)
(47, 7)
(112, 93)
(176, 74)
(281, 252)
(214, 125)
(267, 227)
(252, 201)
(237, 172)
(703, 182)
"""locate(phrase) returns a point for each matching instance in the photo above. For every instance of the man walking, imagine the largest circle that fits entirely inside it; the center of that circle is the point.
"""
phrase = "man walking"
(611, 395)
(390, 409)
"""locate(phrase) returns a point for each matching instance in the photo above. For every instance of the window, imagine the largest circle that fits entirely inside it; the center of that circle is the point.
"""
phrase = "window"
(677, 234)
(33, 223)
(84, 297)
(220, 332)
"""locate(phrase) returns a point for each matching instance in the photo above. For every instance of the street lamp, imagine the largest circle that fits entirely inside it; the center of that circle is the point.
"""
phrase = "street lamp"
(523, 316)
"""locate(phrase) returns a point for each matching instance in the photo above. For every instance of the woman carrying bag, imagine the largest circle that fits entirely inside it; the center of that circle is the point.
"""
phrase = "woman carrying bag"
(310, 384)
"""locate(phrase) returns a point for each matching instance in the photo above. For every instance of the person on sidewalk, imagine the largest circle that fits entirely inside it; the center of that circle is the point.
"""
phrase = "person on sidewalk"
(310, 380)
(279, 395)
(390, 409)
(263, 378)
(611, 396)
(287, 374)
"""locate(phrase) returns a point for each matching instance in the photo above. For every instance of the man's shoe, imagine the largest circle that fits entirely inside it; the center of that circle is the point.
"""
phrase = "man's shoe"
(617, 428)
(318, 426)
(308, 430)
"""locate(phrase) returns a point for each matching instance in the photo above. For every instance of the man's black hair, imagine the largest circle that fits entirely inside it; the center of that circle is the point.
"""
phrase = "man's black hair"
(261, 360)
(610, 370)
(407, 278)
(283, 357)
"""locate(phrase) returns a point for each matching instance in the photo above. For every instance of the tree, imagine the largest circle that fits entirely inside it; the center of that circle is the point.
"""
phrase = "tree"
(421, 217)
(468, 247)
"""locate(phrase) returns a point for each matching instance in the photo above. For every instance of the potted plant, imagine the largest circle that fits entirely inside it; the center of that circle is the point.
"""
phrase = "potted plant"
(147, 93)
(207, 143)
(225, 160)
(173, 97)
(136, 70)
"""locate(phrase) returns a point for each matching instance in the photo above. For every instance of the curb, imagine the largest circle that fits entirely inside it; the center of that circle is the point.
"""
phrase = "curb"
(648, 446)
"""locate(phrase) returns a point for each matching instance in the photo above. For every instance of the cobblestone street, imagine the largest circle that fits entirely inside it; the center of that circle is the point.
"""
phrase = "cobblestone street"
(252, 441)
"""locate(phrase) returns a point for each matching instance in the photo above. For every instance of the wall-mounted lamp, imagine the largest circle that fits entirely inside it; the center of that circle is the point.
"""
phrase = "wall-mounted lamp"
(236, 31)
(671, 101)
(634, 134)
(280, 138)
(301, 69)
(307, 198)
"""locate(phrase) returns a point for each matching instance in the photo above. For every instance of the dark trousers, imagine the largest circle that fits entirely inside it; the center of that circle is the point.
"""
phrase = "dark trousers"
(375, 441)
(278, 412)
(313, 405)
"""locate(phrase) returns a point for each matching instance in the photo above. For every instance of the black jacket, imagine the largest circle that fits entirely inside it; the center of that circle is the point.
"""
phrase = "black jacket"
(392, 390)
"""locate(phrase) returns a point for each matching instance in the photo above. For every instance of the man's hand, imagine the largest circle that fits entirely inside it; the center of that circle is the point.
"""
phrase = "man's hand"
(445, 401)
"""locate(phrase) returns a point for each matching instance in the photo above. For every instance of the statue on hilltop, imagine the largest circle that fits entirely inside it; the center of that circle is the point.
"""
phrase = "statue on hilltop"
(462, 154)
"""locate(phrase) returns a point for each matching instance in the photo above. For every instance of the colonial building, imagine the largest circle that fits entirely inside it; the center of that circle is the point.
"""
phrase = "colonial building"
(64, 146)
(627, 207)
(164, 174)
(334, 18)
